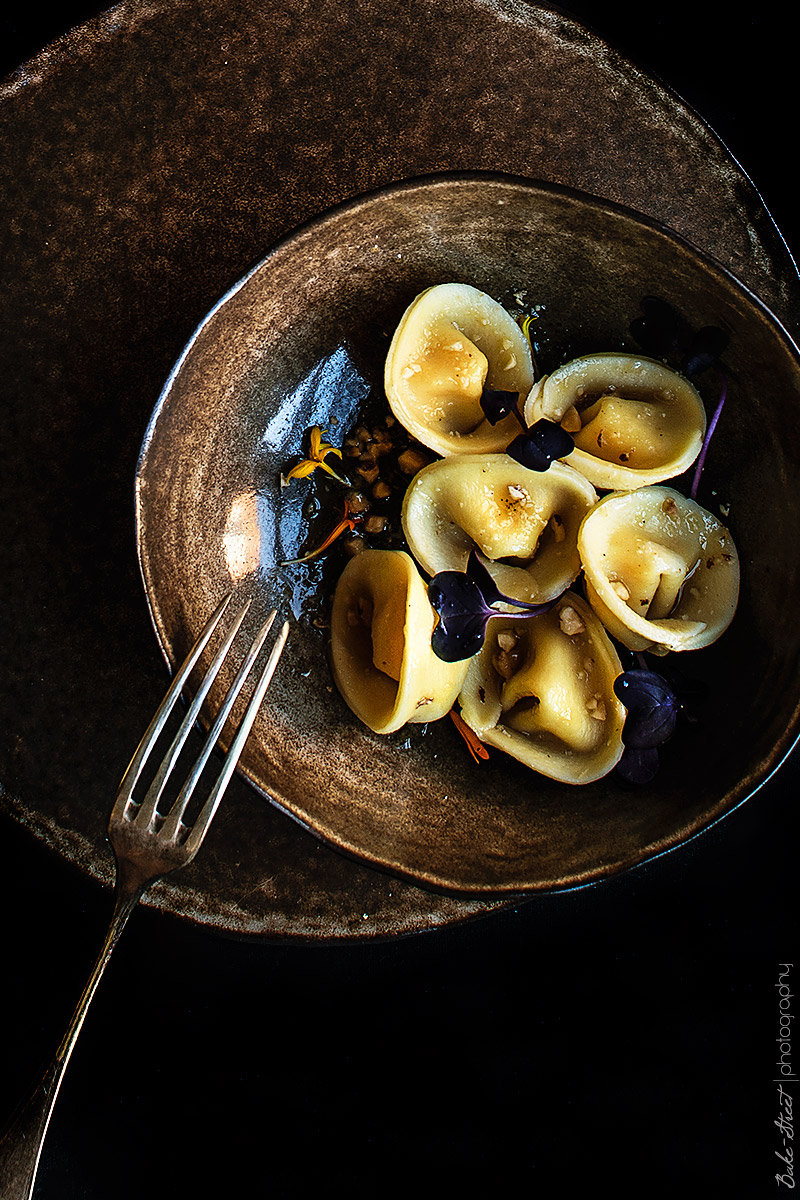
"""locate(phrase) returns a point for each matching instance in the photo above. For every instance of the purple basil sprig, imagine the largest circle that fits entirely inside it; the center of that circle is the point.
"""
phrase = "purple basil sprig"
(664, 333)
(542, 444)
(498, 404)
(463, 601)
(652, 713)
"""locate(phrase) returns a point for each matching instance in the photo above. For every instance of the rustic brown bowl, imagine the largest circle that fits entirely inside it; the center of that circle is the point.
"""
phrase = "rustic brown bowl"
(300, 341)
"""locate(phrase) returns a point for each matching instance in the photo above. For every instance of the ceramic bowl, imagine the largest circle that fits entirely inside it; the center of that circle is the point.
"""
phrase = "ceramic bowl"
(301, 341)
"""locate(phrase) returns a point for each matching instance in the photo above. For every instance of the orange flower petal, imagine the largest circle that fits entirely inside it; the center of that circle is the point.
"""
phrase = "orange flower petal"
(301, 469)
(474, 744)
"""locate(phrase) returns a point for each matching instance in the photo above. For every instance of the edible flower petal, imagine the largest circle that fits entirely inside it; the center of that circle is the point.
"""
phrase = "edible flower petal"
(638, 765)
(474, 744)
(348, 521)
(317, 453)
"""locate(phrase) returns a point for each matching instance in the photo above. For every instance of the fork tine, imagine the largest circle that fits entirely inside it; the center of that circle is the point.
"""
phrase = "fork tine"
(153, 795)
(200, 827)
(163, 711)
(174, 816)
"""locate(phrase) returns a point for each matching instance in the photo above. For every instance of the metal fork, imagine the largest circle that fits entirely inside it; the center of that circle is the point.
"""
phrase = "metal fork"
(147, 845)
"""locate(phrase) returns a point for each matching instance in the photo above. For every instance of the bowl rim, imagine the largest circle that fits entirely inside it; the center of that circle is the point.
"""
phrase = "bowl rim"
(735, 796)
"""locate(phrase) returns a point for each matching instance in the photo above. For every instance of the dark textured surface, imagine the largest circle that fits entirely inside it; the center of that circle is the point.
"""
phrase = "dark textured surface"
(619, 1037)
(302, 341)
(149, 159)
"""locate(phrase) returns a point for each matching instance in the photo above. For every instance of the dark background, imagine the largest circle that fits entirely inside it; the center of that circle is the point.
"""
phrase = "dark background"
(621, 1034)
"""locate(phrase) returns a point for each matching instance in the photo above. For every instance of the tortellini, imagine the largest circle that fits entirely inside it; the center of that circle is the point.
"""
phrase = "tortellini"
(525, 523)
(381, 655)
(542, 690)
(634, 421)
(661, 572)
(452, 341)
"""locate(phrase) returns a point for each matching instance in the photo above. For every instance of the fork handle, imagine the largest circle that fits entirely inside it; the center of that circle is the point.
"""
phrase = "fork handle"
(21, 1145)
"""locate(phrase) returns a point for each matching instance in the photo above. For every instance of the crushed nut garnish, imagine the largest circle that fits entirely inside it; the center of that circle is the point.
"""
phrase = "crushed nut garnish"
(621, 589)
(570, 622)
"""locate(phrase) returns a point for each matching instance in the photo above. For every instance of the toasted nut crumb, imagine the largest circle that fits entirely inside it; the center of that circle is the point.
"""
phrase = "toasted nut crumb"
(368, 474)
(517, 492)
(506, 640)
(353, 545)
(381, 490)
(411, 461)
(596, 708)
(374, 524)
(357, 502)
(504, 663)
(621, 589)
(669, 507)
(570, 622)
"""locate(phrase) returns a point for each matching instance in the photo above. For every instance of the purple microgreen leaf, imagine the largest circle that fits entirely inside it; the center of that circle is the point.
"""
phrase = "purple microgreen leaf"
(652, 708)
(480, 574)
(544, 442)
(463, 602)
(463, 616)
(638, 765)
(712, 425)
(704, 350)
(659, 329)
(497, 404)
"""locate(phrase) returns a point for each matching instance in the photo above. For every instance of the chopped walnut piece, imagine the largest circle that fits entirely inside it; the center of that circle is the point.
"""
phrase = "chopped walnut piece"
(374, 524)
(517, 492)
(621, 589)
(570, 622)
(357, 502)
(504, 663)
(596, 708)
(353, 545)
(669, 507)
(411, 461)
(506, 641)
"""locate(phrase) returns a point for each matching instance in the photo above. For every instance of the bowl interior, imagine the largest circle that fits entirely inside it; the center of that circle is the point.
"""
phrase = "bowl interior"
(302, 341)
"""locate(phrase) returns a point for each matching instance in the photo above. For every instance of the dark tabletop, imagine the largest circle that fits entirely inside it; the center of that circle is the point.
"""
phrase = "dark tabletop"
(624, 1033)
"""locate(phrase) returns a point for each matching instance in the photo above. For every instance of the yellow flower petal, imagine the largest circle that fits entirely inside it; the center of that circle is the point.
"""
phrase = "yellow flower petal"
(301, 469)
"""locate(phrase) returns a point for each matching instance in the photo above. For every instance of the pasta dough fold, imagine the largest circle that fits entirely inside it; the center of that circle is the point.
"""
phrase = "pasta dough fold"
(525, 523)
(661, 572)
(381, 627)
(634, 421)
(452, 341)
(542, 690)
